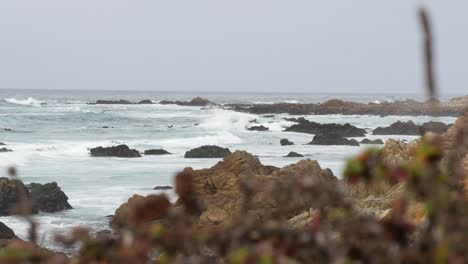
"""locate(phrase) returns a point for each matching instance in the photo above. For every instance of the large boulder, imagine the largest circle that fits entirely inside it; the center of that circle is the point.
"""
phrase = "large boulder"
(6, 232)
(5, 150)
(12, 192)
(372, 141)
(48, 197)
(285, 142)
(122, 151)
(396, 152)
(207, 152)
(156, 152)
(306, 126)
(293, 154)
(332, 139)
(435, 127)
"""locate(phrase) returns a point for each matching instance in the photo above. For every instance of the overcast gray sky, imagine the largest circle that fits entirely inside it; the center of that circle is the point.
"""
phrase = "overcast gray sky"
(215, 45)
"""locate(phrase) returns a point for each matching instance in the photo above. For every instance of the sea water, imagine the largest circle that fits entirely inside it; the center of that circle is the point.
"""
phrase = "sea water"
(51, 132)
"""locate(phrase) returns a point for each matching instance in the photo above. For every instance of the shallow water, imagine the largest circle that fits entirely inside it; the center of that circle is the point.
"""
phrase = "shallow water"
(53, 131)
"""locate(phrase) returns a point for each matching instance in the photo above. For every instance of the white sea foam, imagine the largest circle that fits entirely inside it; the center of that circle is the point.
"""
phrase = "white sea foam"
(219, 119)
(27, 102)
(222, 138)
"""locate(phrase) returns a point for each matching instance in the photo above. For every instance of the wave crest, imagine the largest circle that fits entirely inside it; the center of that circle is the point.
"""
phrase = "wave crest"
(27, 102)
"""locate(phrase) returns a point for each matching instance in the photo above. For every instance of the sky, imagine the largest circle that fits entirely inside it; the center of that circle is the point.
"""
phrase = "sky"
(310, 46)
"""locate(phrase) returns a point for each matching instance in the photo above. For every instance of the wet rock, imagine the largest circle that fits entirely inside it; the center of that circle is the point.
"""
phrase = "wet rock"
(207, 152)
(258, 128)
(5, 150)
(122, 151)
(48, 197)
(197, 101)
(163, 187)
(113, 102)
(147, 101)
(332, 139)
(6, 232)
(306, 126)
(156, 152)
(13, 191)
(374, 141)
(293, 154)
(435, 127)
(285, 142)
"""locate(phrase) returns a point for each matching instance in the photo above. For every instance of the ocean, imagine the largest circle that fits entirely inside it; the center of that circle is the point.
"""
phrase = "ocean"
(52, 132)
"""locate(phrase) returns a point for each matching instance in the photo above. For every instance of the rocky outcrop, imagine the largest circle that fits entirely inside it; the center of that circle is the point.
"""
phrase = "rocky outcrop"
(6, 232)
(258, 128)
(396, 152)
(48, 197)
(286, 142)
(156, 152)
(410, 128)
(121, 101)
(306, 126)
(223, 196)
(332, 139)
(207, 152)
(147, 101)
(197, 101)
(5, 150)
(163, 187)
(12, 192)
(372, 141)
(121, 151)
(2, 144)
(454, 107)
(293, 154)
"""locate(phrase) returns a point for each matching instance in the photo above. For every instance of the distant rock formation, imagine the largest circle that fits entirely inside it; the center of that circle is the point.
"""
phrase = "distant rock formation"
(410, 128)
(5, 150)
(197, 101)
(332, 139)
(374, 141)
(258, 128)
(309, 127)
(207, 152)
(121, 151)
(156, 152)
(293, 154)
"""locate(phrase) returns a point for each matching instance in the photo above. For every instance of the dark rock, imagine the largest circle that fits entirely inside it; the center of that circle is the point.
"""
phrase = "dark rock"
(332, 139)
(197, 101)
(164, 187)
(435, 127)
(410, 128)
(122, 151)
(368, 141)
(5, 150)
(258, 128)
(269, 116)
(293, 154)
(145, 102)
(254, 121)
(6, 232)
(207, 152)
(11, 193)
(2, 144)
(113, 102)
(286, 142)
(306, 126)
(48, 197)
(156, 152)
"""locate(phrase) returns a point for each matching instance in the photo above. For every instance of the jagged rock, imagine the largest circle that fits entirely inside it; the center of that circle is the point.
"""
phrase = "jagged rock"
(6, 232)
(396, 152)
(147, 101)
(410, 128)
(121, 101)
(332, 139)
(5, 150)
(163, 187)
(12, 191)
(207, 152)
(374, 141)
(122, 151)
(219, 187)
(156, 152)
(293, 154)
(48, 197)
(285, 142)
(258, 128)
(306, 126)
